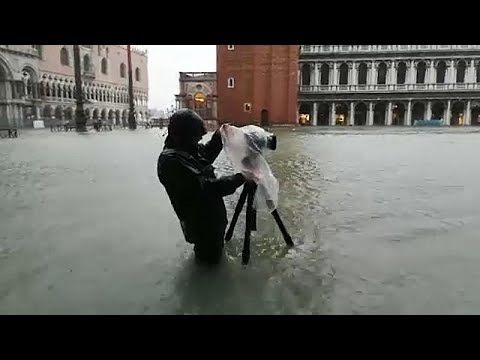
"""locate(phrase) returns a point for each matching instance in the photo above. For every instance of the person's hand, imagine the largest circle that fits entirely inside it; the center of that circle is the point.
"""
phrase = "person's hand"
(251, 175)
(217, 137)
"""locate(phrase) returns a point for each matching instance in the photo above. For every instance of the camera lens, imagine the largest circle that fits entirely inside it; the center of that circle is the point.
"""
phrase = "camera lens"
(272, 142)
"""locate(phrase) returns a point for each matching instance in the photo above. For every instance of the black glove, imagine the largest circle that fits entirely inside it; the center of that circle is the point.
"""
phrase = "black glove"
(239, 179)
(217, 138)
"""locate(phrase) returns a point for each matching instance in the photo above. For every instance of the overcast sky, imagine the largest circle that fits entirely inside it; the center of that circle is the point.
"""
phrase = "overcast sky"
(164, 64)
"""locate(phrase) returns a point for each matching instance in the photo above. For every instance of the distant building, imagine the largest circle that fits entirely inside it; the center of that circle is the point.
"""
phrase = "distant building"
(198, 91)
(257, 84)
(157, 114)
(37, 83)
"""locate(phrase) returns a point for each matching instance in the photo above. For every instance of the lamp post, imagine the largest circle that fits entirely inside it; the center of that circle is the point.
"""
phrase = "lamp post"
(80, 119)
(132, 121)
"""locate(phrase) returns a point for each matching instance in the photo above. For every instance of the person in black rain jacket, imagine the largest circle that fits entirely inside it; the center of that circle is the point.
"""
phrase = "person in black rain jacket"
(185, 170)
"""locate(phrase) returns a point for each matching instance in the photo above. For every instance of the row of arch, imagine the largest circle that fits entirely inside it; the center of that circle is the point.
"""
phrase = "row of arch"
(87, 64)
(380, 113)
(381, 76)
(64, 88)
(67, 91)
(116, 117)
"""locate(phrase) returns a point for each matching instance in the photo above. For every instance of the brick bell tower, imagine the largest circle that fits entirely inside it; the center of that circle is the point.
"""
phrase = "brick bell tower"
(257, 84)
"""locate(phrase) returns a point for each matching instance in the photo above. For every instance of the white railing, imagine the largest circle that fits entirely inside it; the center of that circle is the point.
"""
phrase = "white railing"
(322, 49)
(385, 88)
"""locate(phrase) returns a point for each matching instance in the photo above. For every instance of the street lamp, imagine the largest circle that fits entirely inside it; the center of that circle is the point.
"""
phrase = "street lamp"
(132, 121)
(80, 119)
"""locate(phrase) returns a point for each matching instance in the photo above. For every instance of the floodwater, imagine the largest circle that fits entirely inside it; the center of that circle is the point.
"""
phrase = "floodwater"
(385, 221)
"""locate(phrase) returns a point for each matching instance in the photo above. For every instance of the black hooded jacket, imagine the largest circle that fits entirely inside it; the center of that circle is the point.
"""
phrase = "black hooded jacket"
(194, 191)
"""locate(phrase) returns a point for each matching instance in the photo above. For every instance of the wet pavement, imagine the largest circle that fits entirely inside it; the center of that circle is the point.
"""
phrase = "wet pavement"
(386, 221)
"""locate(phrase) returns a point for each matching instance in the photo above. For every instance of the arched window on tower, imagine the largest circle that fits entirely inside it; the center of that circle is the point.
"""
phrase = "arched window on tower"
(104, 66)
(86, 62)
(64, 58)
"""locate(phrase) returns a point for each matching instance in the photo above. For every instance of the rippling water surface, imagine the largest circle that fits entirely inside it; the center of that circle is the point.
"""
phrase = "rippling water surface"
(386, 221)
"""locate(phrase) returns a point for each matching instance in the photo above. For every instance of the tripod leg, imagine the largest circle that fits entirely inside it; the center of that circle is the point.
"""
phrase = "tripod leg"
(286, 235)
(253, 211)
(238, 210)
(248, 227)
(254, 220)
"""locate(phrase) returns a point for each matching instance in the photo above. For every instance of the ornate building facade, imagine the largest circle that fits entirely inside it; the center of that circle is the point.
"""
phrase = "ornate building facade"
(37, 83)
(389, 84)
(198, 91)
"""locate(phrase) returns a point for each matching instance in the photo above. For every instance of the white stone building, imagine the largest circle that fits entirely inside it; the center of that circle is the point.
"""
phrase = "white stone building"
(37, 83)
(389, 84)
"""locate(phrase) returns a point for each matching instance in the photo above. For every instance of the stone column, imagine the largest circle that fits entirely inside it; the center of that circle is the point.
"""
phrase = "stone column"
(20, 89)
(474, 73)
(471, 77)
(408, 118)
(369, 73)
(351, 118)
(429, 110)
(468, 115)
(317, 75)
(13, 86)
(333, 114)
(312, 74)
(427, 73)
(431, 78)
(8, 113)
(448, 115)
(335, 74)
(350, 74)
(448, 70)
(15, 115)
(355, 74)
(330, 75)
(374, 73)
(453, 74)
(389, 114)
(370, 114)
(37, 113)
(393, 73)
(315, 114)
(20, 116)
(36, 90)
(4, 91)
(411, 73)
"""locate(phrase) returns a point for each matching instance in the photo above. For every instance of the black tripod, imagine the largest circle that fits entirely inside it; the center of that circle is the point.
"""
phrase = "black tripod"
(248, 194)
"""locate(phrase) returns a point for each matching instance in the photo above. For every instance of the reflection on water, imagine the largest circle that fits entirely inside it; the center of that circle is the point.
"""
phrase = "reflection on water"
(384, 220)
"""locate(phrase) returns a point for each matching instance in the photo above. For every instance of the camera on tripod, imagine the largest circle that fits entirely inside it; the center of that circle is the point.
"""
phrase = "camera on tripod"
(261, 140)
(245, 147)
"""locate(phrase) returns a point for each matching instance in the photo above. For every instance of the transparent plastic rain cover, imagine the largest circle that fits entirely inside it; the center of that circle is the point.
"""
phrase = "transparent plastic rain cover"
(244, 147)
